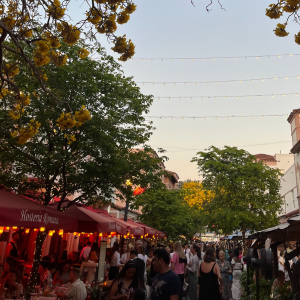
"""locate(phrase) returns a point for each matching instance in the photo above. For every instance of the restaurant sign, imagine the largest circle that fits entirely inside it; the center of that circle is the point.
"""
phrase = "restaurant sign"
(27, 216)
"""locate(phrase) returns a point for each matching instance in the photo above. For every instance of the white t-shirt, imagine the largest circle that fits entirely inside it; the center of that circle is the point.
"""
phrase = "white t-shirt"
(85, 252)
(280, 262)
(115, 260)
(144, 258)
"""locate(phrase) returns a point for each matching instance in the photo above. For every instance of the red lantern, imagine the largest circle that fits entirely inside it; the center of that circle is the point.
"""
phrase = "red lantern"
(139, 191)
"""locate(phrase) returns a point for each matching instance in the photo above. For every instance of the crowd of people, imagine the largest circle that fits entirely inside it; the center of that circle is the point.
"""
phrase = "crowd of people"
(140, 272)
(204, 271)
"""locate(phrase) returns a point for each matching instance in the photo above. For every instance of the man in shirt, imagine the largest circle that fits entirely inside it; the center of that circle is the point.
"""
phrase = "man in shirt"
(85, 252)
(140, 263)
(77, 290)
(166, 284)
(11, 252)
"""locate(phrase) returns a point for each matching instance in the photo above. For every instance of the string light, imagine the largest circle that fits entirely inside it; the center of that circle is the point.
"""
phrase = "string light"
(218, 81)
(219, 117)
(230, 96)
(214, 58)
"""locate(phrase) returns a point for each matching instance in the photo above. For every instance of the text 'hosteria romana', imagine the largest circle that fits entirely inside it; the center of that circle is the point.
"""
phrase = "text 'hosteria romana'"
(33, 217)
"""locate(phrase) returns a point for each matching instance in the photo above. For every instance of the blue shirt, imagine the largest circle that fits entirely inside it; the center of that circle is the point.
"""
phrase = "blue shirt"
(165, 285)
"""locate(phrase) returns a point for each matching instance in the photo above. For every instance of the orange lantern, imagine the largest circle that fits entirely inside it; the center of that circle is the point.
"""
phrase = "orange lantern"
(1, 230)
(100, 234)
(61, 232)
(15, 227)
(50, 233)
(27, 230)
(42, 229)
(139, 191)
(34, 229)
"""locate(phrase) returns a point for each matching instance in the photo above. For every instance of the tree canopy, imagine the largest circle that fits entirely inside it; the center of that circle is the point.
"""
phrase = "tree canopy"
(167, 211)
(246, 191)
(83, 146)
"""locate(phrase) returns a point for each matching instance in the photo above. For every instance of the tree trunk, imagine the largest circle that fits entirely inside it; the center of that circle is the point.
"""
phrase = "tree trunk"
(40, 238)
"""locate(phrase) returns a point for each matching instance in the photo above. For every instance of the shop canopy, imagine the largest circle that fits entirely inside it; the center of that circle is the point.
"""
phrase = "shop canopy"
(134, 229)
(16, 210)
(280, 233)
(90, 222)
(149, 230)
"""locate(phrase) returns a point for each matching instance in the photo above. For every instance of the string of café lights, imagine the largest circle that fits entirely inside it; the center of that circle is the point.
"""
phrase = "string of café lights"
(217, 81)
(213, 58)
(218, 117)
(226, 96)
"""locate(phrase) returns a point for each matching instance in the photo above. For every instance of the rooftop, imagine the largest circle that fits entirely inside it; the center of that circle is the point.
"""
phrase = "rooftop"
(265, 157)
(294, 112)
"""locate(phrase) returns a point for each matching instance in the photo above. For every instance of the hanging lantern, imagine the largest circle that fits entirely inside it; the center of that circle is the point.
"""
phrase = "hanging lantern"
(50, 233)
(42, 229)
(61, 232)
(7, 228)
(15, 227)
(1, 230)
(34, 229)
(100, 234)
(139, 191)
(27, 230)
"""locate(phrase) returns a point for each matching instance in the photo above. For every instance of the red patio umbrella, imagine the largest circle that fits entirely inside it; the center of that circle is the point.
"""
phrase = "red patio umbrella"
(16, 210)
(149, 230)
(134, 229)
(89, 221)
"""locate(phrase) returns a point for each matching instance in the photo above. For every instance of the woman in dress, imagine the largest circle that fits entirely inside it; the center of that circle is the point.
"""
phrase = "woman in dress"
(114, 261)
(93, 254)
(126, 283)
(62, 276)
(237, 269)
(226, 271)
(124, 254)
(210, 279)
(193, 271)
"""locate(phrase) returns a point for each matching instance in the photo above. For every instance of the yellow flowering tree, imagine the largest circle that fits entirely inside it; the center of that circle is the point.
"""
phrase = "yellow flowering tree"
(195, 195)
(288, 8)
(31, 36)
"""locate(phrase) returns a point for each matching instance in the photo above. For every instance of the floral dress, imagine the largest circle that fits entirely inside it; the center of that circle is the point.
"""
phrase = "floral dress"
(122, 290)
(224, 269)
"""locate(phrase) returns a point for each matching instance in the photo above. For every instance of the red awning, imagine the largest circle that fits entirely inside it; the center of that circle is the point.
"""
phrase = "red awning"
(149, 230)
(16, 210)
(134, 229)
(90, 222)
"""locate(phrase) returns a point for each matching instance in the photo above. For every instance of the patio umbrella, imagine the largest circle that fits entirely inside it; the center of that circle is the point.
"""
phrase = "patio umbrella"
(16, 210)
(134, 229)
(89, 221)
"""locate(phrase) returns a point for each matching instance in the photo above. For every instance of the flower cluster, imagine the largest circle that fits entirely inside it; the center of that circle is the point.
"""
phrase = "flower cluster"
(70, 137)
(67, 120)
(83, 53)
(11, 70)
(275, 11)
(125, 47)
(23, 101)
(55, 10)
(26, 133)
(280, 30)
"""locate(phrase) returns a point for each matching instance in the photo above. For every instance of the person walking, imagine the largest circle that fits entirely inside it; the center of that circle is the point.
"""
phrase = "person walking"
(225, 269)
(166, 284)
(178, 263)
(237, 269)
(193, 271)
(114, 261)
(85, 252)
(210, 279)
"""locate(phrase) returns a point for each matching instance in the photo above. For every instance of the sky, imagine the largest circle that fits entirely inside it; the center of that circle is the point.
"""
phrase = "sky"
(176, 29)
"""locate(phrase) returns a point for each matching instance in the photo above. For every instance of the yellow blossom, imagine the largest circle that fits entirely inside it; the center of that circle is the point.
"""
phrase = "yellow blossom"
(83, 53)
(40, 59)
(42, 46)
(58, 59)
(3, 93)
(15, 115)
(130, 8)
(11, 70)
(273, 12)
(93, 16)
(280, 30)
(26, 32)
(53, 42)
(297, 38)
(55, 10)
(123, 17)
(293, 3)
(70, 34)
(82, 116)
(66, 120)
(27, 132)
